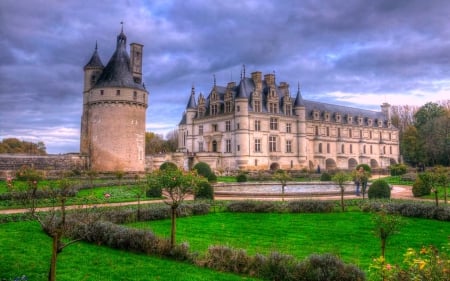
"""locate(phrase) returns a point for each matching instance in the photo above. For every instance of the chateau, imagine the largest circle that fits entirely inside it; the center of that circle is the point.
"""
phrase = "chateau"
(257, 125)
(114, 107)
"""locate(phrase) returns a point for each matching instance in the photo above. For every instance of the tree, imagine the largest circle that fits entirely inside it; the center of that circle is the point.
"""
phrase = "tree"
(386, 226)
(14, 145)
(171, 143)
(139, 190)
(411, 146)
(154, 143)
(176, 184)
(283, 177)
(340, 178)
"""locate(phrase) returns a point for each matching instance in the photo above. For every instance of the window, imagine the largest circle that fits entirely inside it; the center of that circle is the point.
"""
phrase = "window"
(200, 130)
(320, 148)
(272, 144)
(256, 162)
(343, 148)
(214, 126)
(328, 131)
(288, 110)
(351, 148)
(288, 146)
(238, 147)
(257, 125)
(135, 95)
(350, 133)
(257, 106)
(214, 146)
(238, 108)
(273, 107)
(237, 126)
(316, 130)
(257, 145)
(328, 148)
(370, 135)
(339, 132)
(288, 127)
(117, 92)
(360, 134)
(228, 106)
(364, 149)
(390, 149)
(101, 92)
(273, 123)
(228, 146)
(371, 150)
(200, 146)
(214, 109)
(228, 125)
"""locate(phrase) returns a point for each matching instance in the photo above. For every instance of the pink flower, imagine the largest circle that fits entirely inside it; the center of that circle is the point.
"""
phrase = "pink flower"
(107, 195)
(388, 266)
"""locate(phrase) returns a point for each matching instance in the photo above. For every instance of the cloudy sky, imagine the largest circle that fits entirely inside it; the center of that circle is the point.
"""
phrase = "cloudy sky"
(354, 52)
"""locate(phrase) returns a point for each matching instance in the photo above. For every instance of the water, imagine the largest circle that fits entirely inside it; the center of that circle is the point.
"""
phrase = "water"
(275, 188)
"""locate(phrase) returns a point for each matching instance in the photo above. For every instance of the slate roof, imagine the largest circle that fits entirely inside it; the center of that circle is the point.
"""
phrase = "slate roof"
(117, 72)
(246, 86)
(95, 61)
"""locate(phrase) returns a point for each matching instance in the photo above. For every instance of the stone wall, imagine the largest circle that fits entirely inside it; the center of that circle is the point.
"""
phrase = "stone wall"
(9, 163)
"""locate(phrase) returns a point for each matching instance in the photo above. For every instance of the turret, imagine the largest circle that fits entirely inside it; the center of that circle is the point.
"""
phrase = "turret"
(92, 70)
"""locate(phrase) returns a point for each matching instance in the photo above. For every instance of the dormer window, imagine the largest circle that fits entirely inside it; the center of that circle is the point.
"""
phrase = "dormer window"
(380, 123)
(349, 119)
(338, 117)
(370, 122)
(316, 115)
(327, 116)
(360, 120)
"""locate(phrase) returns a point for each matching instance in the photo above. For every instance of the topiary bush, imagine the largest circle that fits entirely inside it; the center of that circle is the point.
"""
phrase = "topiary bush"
(422, 185)
(325, 177)
(307, 206)
(168, 166)
(203, 169)
(379, 189)
(154, 191)
(398, 169)
(204, 191)
(252, 206)
(241, 177)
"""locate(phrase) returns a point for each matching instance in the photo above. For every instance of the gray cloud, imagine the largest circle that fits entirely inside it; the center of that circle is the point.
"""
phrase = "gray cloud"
(353, 47)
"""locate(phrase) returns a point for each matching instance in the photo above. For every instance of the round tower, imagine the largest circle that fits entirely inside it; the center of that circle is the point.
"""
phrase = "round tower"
(299, 109)
(114, 111)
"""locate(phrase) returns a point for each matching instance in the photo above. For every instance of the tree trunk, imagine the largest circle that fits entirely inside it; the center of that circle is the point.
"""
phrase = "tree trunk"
(383, 246)
(52, 271)
(436, 197)
(342, 199)
(174, 227)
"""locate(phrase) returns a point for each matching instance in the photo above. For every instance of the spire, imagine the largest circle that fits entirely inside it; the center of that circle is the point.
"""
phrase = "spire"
(298, 99)
(243, 70)
(214, 76)
(95, 61)
(191, 102)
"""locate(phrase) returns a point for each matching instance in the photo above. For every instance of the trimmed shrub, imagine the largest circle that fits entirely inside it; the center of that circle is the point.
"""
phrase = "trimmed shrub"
(168, 166)
(204, 170)
(328, 267)
(365, 167)
(379, 189)
(409, 177)
(154, 191)
(251, 206)
(409, 209)
(325, 177)
(422, 185)
(307, 206)
(398, 169)
(241, 177)
(205, 191)
(223, 258)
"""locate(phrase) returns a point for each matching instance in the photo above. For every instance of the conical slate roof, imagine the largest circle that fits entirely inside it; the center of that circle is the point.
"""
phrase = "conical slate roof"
(191, 103)
(298, 99)
(95, 61)
(117, 72)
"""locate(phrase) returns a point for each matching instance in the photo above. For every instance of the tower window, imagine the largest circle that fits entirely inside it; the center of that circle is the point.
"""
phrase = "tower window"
(135, 95)
(117, 92)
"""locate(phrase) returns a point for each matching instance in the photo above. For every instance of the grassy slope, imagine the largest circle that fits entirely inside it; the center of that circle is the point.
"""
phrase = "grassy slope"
(25, 250)
(349, 235)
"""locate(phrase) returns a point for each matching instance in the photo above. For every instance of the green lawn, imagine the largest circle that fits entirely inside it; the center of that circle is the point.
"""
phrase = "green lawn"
(25, 250)
(348, 235)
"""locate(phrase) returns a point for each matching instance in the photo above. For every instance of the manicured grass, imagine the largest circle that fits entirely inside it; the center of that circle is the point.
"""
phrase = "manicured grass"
(25, 250)
(348, 235)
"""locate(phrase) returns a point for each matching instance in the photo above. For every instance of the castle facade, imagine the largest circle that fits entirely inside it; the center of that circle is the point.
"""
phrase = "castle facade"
(114, 108)
(257, 125)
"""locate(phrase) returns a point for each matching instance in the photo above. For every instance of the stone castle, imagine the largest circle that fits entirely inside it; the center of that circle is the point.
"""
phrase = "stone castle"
(256, 124)
(114, 108)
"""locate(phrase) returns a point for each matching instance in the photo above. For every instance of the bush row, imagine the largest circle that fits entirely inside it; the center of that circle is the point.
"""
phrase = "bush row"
(278, 266)
(300, 206)
(129, 239)
(152, 212)
(410, 209)
(272, 267)
(39, 194)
